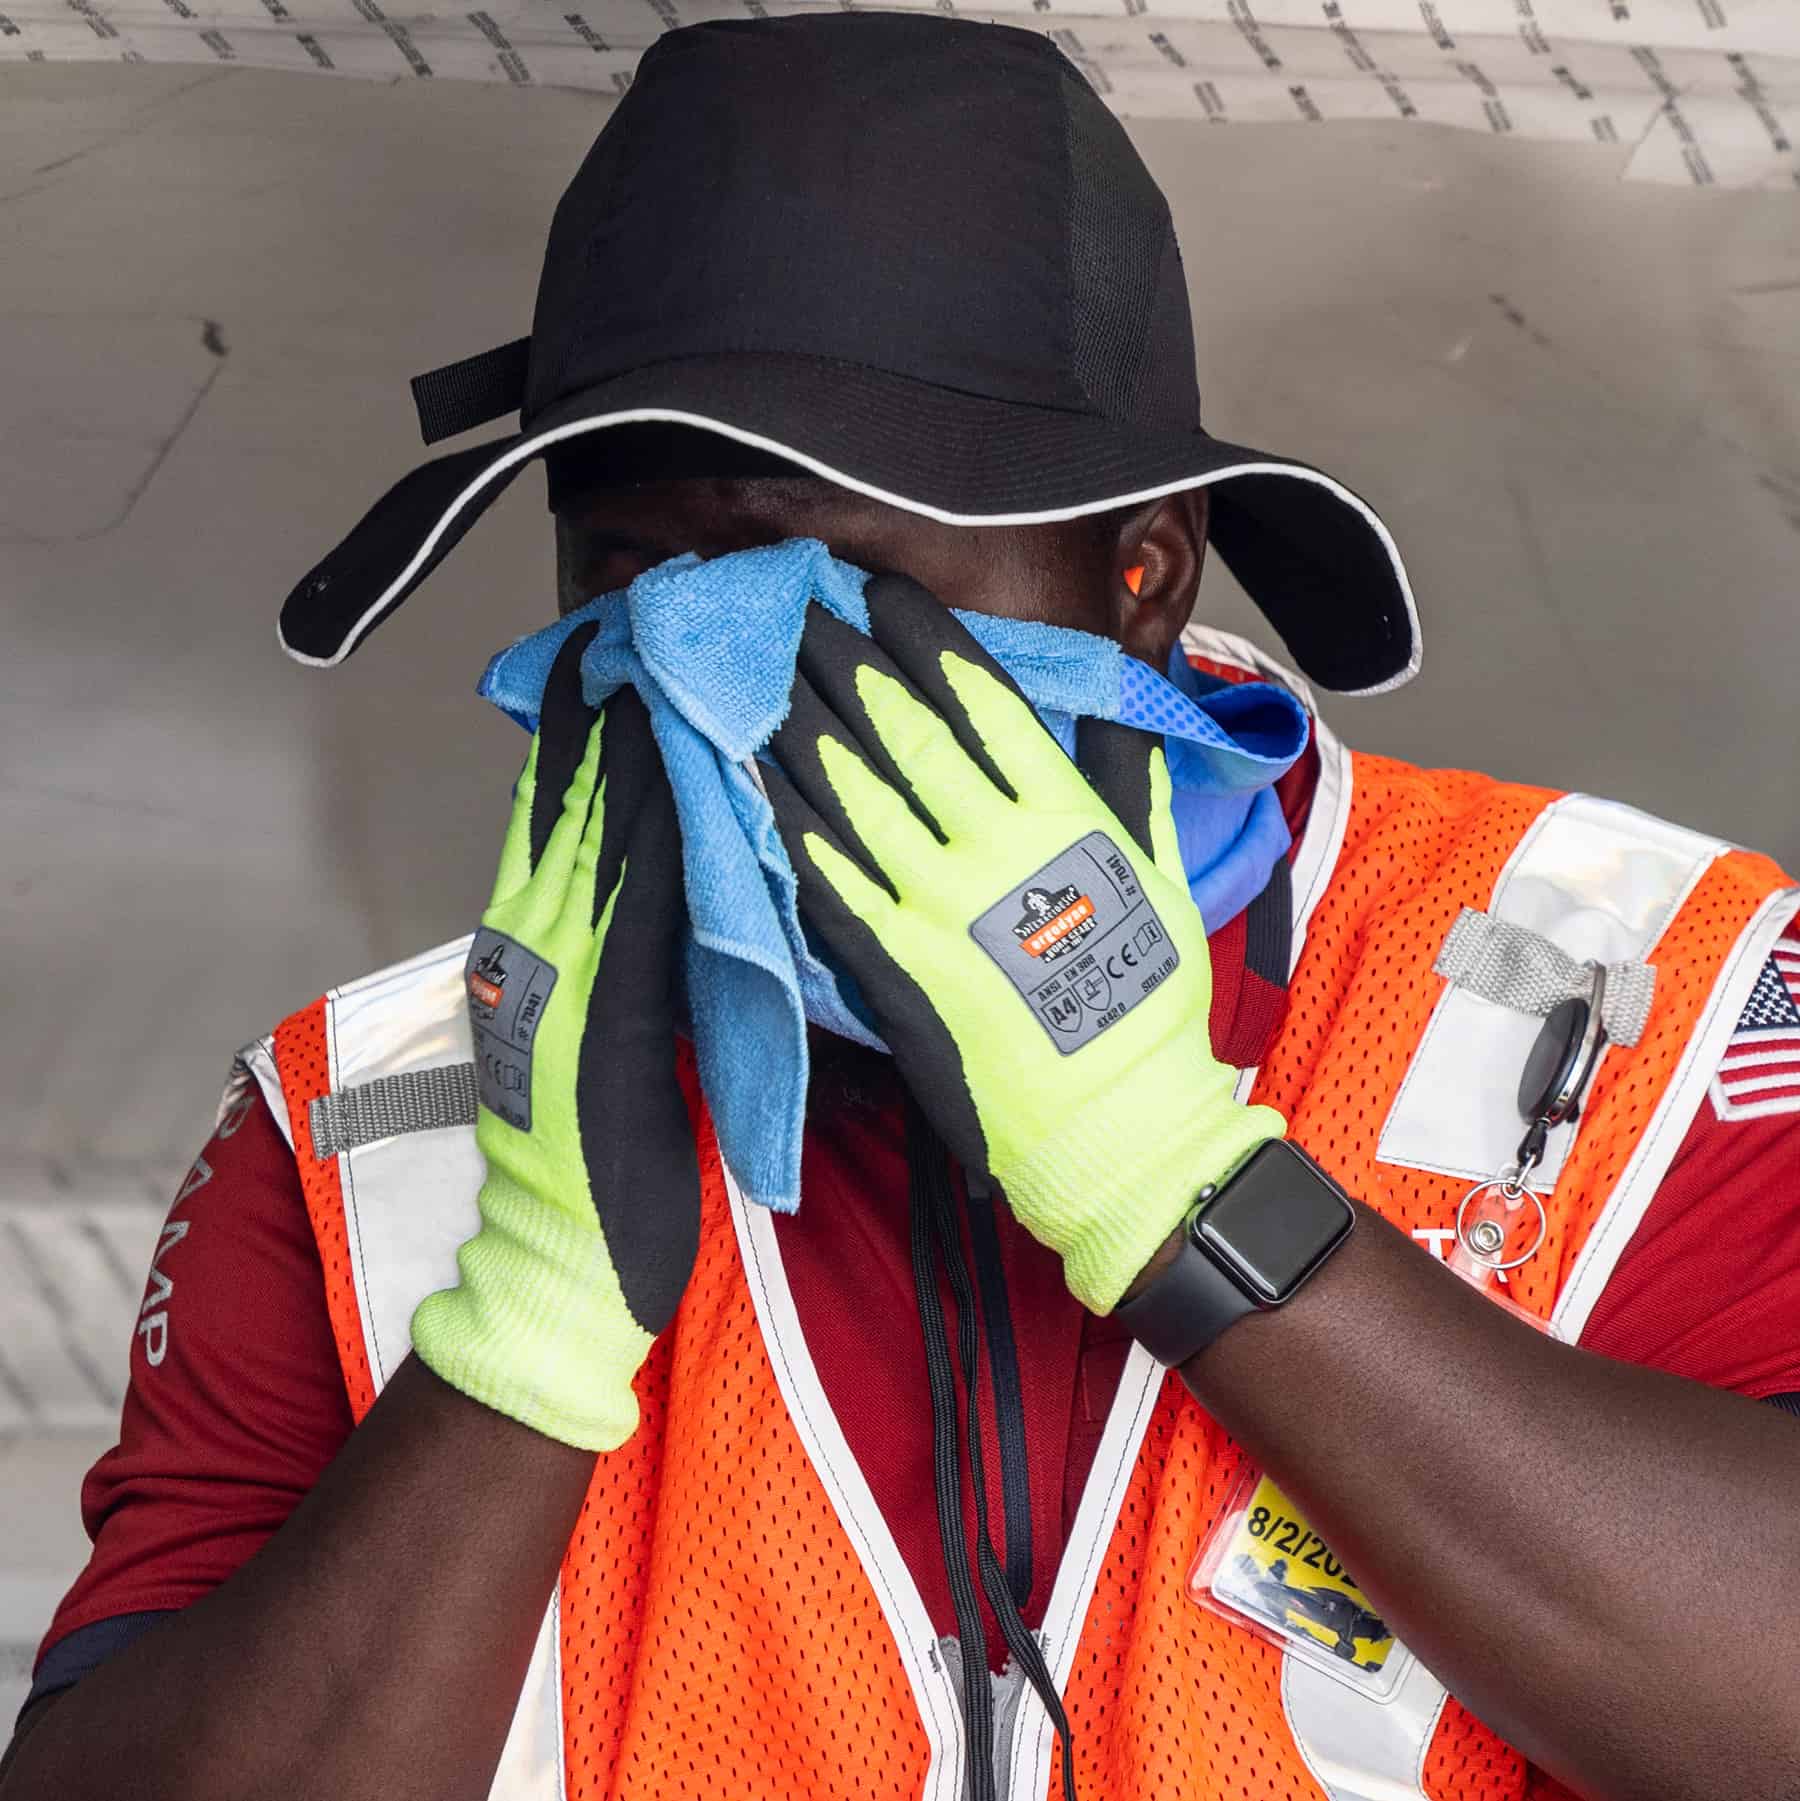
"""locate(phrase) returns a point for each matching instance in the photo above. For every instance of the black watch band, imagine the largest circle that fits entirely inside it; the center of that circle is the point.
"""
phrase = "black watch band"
(1188, 1305)
(1249, 1245)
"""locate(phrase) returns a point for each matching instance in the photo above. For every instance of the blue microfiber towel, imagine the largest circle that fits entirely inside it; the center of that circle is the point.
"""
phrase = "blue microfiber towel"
(1230, 837)
(711, 646)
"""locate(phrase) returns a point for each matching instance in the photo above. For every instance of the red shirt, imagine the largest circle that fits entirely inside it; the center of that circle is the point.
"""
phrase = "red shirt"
(219, 1441)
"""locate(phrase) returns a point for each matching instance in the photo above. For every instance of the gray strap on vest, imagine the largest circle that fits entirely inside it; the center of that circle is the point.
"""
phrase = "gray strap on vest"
(418, 1100)
(1519, 969)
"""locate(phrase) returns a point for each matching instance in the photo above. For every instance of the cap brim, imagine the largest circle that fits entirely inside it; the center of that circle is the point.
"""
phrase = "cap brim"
(1313, 555)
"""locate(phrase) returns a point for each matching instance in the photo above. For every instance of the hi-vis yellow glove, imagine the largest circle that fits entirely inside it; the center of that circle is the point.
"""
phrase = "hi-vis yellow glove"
(1030, 952)
(590, 1214)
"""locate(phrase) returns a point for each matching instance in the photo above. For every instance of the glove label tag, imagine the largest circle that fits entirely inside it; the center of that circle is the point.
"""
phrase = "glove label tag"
(509, 987)
(1080, 941)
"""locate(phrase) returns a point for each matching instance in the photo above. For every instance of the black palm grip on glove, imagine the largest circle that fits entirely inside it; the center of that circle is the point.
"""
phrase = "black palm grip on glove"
(795, 747)
(1116, 761)
(634, 1118)
(923, 1048)
(915, 628)
(564, 723)
(637, 1138)
(909, 633)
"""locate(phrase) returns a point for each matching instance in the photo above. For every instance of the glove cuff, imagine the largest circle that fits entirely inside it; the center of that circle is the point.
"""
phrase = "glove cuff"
(537, 1327)
(1119, 1184)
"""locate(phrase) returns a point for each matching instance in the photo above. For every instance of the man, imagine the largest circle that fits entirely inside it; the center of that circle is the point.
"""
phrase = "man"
(899, 285)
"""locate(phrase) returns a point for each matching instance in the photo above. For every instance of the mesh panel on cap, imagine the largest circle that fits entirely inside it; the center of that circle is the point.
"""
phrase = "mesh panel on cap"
(1168, 393)
(1117, 227)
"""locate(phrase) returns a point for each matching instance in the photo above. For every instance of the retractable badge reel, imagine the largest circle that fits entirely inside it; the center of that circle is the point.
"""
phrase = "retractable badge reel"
(1501, 1222)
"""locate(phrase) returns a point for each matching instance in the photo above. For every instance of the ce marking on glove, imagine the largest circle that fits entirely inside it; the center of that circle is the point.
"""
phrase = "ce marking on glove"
(509, 987)
(1091, 984)
(1139, 953)
(1079, 941)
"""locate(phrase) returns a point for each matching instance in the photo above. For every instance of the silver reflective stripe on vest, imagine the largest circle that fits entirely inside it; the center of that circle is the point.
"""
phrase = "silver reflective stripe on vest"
(257, 1061)
(415, 1100)
(532, 1764)
(1359, 1749)
(399, 1052)
(1589, 880)
(937, 1694)
(1512, 967)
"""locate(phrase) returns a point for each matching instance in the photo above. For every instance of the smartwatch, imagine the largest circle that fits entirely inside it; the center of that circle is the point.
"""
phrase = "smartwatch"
(1250, 1243)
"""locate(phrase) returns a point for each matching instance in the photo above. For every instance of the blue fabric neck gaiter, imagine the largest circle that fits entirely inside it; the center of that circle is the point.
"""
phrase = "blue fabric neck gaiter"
(711, 647)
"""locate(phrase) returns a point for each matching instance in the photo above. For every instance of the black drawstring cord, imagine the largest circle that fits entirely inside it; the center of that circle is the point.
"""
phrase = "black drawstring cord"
(932, 1195)
(1003, 1367)
(926, 1169)
(1019, 1637)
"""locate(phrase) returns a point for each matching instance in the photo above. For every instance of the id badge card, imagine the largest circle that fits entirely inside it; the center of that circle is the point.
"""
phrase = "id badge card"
(1262, 1567)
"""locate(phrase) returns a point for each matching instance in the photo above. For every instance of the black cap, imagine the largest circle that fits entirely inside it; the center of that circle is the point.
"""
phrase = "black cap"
(914, 255)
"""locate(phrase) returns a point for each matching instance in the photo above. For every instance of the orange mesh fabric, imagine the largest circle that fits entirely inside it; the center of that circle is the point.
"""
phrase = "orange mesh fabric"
(1420, 846)
(1167, 1699)
(1164, 1699)
(1466, 1759)
(305, 1066)
(719, 1634)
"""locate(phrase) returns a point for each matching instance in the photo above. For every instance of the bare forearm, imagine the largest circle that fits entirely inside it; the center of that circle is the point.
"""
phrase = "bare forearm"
(374, 1647)
(1601, 1561)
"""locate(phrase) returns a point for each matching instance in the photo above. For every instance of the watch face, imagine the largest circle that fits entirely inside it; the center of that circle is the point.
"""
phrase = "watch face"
(1275, 1221)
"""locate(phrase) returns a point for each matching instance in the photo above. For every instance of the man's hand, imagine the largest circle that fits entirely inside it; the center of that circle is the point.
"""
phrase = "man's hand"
(590, 1214)
(1037, 968)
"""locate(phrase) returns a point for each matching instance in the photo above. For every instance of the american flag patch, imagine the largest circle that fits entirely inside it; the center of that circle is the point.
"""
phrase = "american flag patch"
(1759, 1074)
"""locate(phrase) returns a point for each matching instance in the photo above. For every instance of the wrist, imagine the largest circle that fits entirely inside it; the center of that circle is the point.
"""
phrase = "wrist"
(1108, 1191)
(1160, 1259)
(536, 1328)
(1249, 1245)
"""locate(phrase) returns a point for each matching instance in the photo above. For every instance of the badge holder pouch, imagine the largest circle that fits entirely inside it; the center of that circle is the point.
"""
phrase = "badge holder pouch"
(1262, 1566)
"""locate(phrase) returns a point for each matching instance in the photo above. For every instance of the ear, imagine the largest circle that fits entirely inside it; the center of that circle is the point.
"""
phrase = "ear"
(1161, 548)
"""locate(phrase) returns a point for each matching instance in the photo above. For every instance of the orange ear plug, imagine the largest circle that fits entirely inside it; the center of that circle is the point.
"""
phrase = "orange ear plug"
(1134, 577)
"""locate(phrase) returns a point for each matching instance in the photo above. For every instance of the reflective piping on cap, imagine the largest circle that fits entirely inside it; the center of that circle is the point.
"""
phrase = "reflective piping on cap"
(576, 428)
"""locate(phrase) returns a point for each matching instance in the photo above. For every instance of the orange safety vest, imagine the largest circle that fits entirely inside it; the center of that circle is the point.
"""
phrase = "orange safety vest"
(733, 1617)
